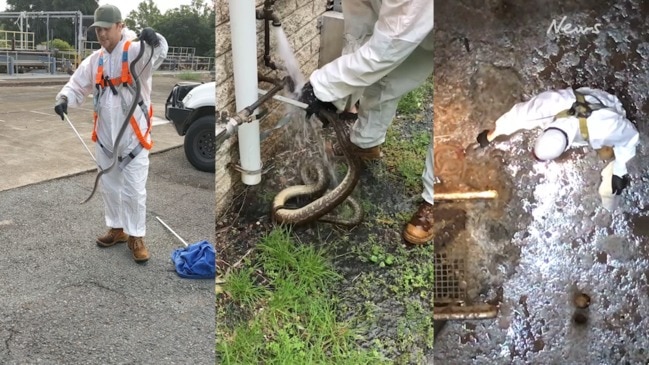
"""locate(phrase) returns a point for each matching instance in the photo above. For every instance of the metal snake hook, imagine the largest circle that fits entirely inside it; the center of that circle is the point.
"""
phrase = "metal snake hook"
(138, 88)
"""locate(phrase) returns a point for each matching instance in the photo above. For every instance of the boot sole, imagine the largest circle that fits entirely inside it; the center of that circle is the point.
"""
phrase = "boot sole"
(416, 240)
(337, 154)
(110, 244)
(363, 157)
(141, 261)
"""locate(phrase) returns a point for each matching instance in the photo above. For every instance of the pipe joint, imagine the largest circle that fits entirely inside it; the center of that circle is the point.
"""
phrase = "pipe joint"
(274, 19)
(269, 62)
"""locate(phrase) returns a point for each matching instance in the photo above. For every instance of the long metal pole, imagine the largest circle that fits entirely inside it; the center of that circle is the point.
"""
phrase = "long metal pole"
(81, 139)
(172, 231)
(47, 31)
(466, 195)
(79, 40)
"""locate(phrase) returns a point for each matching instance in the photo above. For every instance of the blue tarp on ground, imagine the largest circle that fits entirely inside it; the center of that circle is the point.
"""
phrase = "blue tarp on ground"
(196, 261)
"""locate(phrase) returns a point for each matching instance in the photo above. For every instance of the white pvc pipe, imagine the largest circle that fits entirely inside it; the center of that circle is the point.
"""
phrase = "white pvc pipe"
(243, 29)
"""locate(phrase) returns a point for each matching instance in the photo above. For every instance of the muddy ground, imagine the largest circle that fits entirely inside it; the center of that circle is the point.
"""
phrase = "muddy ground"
(547, 237)
(387, 300)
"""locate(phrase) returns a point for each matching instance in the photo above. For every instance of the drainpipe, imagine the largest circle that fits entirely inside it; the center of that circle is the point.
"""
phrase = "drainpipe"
(244, 62)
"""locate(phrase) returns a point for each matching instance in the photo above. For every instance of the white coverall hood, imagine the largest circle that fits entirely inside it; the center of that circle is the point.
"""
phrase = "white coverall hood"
(550, 145)
(128, 34)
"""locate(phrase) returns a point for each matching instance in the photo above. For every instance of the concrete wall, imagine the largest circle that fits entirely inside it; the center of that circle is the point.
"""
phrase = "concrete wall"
(300, 20)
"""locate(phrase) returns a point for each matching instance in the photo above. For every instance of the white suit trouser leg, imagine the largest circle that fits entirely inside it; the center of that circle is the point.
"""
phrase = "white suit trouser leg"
(428, 176)
(378, 105)
(124, 193)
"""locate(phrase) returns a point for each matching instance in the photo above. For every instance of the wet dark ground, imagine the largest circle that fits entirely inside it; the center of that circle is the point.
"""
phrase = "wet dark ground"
(388, 300)
(546, 238)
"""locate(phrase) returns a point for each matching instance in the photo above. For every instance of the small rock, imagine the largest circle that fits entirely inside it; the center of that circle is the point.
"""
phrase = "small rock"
(582, 300)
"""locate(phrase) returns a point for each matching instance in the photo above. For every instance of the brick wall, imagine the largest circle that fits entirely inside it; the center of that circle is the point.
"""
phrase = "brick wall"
(300, 21)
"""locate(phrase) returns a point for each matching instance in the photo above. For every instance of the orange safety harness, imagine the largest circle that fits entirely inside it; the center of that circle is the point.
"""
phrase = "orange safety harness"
(126, 78)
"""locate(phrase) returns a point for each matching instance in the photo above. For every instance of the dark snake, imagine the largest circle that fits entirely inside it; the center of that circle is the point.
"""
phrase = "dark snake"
(328, 200)
(138, 89)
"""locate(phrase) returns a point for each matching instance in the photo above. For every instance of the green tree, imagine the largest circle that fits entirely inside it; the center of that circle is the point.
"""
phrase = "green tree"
(146, 15)
(190, 26)
(185, 26)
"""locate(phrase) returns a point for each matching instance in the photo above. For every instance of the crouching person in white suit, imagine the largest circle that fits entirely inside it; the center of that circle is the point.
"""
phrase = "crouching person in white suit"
(574, 118)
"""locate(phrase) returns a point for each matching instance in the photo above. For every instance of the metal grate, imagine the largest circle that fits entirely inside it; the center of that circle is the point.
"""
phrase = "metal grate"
(450, 282)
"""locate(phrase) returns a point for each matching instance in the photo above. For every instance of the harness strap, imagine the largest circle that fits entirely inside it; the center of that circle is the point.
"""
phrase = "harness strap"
(125, 160)
(581, 109)
(136, 128)
(583, 126)
(125, 79)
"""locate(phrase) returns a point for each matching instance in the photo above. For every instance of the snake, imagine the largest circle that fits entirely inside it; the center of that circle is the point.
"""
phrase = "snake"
(118, 139)
(319, 209)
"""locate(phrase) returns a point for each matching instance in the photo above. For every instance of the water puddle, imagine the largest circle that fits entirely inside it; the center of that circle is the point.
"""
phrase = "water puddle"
(558, 234)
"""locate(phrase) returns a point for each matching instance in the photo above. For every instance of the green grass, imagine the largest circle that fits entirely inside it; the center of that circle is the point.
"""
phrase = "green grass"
(189, 76)
(293, 317)
(407, 157)
(410, 281)
(242, 288)
(413, 102)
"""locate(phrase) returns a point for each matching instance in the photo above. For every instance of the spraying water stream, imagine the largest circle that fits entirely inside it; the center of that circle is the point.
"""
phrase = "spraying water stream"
(309, 140)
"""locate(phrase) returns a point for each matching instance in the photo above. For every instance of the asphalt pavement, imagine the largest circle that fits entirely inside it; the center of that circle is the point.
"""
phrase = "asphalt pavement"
(37, 145)
(63, 299)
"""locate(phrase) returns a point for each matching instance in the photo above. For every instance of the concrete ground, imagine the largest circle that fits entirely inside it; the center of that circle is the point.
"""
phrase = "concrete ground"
(547, 238)
(64, 300)
(37, 145)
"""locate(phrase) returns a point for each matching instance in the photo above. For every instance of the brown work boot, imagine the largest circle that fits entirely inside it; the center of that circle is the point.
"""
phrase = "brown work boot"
(372, 153)
(336, 150)
(112, 237)
(138, 249)
(420, 228)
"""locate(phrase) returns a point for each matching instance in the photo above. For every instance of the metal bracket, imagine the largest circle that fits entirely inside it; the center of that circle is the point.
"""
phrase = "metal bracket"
(240, 169)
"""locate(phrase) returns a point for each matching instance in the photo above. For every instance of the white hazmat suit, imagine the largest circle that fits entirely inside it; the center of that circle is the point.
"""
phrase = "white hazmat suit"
(123, 190)
(608, 127)
(388, 52)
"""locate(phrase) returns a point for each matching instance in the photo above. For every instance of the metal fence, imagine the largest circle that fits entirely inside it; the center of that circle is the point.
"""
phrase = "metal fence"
(12, 40)
(178, 58)
(13, 62)
(25, 58)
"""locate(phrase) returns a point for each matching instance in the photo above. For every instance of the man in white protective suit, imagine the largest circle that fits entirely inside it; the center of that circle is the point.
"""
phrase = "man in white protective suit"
(106, 73)
(574, 118)
(388, 52)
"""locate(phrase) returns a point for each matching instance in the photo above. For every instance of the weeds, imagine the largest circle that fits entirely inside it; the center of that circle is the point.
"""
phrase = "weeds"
(382, 308)
(413, 102)
(407, 156)
(296, 321)
(242, 288)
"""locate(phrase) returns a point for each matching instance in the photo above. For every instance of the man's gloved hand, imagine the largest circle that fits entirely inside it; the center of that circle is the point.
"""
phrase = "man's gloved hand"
(148, 35)
(315, 105)
(482, 138)
(620, 183)
(61, 106)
